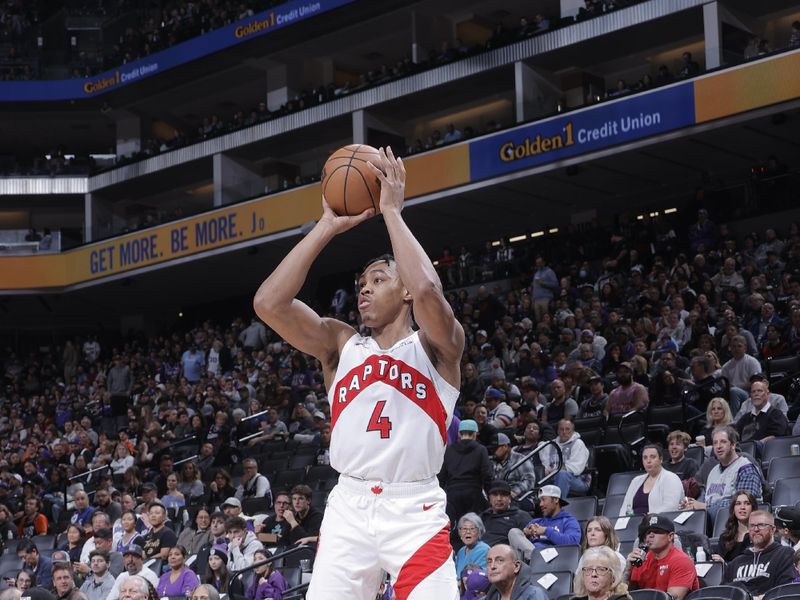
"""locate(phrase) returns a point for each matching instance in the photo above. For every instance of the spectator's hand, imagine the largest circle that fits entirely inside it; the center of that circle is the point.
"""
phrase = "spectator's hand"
(81, 568)
(288, 515)
(213, 486)
(637, 554)
(717, 558)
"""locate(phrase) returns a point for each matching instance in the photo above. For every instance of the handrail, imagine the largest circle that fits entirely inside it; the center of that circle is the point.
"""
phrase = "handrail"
(268, 560)
(258, 414)
(533, 453)
(183, 460)
(619, 429)
(296, 591)
(80, 476)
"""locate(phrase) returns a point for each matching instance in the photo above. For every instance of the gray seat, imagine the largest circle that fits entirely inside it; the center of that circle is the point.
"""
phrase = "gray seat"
(729, 592)
(786, 492)
(612, 505)
(567, 560)
(783, 591)
(582, 508)
(562, 585)
(783, 467)
(618, 482)
(696, 523)
(631, 531)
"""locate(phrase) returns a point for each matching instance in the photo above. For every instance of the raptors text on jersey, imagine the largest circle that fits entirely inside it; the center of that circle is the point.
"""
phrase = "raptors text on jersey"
(390, 410)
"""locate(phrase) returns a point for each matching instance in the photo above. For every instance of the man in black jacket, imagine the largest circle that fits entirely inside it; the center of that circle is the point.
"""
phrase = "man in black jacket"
(500, 517)
(466, 473)
(766, 564)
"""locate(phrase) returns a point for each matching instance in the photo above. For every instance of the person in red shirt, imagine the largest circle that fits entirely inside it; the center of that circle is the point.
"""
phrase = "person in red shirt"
(665, 567)
(32, 522)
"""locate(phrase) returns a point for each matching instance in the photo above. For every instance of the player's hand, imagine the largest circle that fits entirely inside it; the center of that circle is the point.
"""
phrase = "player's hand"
(339, 224)
(392, 174)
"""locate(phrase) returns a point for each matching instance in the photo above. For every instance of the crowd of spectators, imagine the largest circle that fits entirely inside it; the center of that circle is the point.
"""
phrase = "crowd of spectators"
(596, 323)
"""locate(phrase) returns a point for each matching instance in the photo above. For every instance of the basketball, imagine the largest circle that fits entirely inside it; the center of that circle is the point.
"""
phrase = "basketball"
(348, 185)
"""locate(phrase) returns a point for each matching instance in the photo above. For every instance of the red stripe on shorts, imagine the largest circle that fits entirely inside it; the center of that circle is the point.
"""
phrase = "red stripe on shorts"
(429, 557)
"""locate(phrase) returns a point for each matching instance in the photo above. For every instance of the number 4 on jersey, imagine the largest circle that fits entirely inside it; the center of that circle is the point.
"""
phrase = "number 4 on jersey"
(379, 423)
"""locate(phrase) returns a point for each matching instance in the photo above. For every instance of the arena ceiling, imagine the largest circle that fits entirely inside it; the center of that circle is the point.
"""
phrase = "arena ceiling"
(648, 177)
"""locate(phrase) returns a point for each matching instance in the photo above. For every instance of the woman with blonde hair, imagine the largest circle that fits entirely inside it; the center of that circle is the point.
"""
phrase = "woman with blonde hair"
(599, 576)
(599, 531)
(718, 414)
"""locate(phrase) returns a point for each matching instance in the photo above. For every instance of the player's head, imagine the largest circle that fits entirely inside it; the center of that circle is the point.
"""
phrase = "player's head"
(381, 293)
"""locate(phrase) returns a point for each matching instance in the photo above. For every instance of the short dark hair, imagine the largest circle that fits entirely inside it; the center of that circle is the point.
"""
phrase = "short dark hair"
(101, 553)
(387, 258)
(657, 447)
(302, 490)
(236, 523)
(26, 545)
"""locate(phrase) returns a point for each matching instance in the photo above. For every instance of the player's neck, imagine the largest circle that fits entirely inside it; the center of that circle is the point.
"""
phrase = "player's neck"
(391, 333)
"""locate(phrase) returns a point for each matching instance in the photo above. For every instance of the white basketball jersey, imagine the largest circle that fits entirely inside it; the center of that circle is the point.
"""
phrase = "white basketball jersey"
(390, 410)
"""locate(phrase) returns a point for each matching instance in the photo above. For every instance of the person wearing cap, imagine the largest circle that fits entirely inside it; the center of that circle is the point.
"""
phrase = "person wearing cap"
(554, 528)
(511, 579)
(787, 522)
(501, 415)
(522, 478)
(594, 405)
(160, 538)
(133, 558)
(629, 395)
(570, 478)
(101, 582)
(664, 566)
(488, 362)
(253, 484)
(40, 566)
(766, 564)
(466, 472)
(476, 583)
(501, 517)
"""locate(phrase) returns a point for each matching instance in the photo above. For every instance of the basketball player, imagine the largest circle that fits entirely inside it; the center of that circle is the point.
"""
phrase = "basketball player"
(392, 396)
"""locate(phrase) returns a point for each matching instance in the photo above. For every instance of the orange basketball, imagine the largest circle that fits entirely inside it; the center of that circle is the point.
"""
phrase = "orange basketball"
(347, 182)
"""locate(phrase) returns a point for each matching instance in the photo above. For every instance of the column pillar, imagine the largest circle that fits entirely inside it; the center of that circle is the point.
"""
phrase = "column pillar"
(129, 133)
(235, 180)
(712, 30)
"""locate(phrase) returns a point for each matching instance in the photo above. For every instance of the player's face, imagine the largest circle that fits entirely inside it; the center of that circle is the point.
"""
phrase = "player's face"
(381, 294)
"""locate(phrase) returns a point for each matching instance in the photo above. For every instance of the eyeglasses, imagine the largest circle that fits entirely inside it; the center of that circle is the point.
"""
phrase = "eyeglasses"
(595, 570)
(760, 526)
(282, 503)
(468, 529)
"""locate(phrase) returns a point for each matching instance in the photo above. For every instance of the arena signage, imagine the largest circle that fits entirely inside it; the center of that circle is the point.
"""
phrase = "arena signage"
(236, 33)
(581, 131)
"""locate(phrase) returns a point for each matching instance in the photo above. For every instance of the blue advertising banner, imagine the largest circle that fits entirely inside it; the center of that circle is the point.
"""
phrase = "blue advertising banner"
(593, 128)
(183, 53)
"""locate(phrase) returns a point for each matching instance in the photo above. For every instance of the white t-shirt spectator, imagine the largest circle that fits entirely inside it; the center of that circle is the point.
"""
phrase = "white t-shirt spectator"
(739, 371)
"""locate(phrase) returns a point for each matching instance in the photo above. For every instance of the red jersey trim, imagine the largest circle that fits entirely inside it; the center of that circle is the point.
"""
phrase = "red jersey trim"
(404, 378)
(429, 557)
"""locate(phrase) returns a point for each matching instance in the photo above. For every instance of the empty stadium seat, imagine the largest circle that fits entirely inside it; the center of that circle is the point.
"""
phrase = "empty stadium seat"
(302, 461)
(630, 531)
(289, 478)
(582, 508)
(729, 592)
(612, 506)
(713, 576)
(783, 591)
(778, 447)
(610, 459)
(698, 453)
(696, 522)
(783, 467)
(566, 560)
(562, 585)
(649, 595)
(256, 506)
(786, 492)
(618, 482)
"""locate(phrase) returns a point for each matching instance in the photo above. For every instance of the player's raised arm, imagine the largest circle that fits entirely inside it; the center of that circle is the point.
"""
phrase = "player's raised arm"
(293, 320)
(431, 311)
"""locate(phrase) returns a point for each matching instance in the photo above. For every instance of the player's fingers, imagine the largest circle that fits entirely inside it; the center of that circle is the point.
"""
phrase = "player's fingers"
(360, 218)
(378, 173)
(401, 169)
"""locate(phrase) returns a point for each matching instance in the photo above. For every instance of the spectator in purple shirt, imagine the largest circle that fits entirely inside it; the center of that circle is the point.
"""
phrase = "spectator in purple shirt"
(180, 580)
